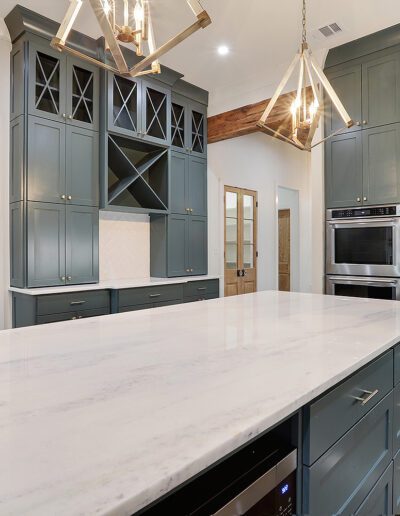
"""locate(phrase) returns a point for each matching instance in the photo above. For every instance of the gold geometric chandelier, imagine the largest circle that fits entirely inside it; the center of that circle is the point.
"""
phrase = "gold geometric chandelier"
(304, 110)
(136, 28)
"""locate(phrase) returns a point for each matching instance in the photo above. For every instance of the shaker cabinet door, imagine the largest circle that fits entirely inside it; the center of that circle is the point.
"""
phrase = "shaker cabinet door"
(82, 166)
(177, 245)
(46, 160)
(82, 105)
(46, 244)
(82, 244)
(343, 170)
(381, 164)
(197, 183)
(381, 90)
(197, 250)
(346, 81)
(179, 183)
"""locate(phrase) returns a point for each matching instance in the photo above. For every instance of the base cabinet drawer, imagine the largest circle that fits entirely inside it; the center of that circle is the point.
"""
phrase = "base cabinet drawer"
(397, 364)
(343, 477)
(134, 308)
(332, 415)
(71, 316)
(149, 295)
(396, 419)
(396, 484)
(201, 297)
(201, 288)
(60, 303)
(379, 502)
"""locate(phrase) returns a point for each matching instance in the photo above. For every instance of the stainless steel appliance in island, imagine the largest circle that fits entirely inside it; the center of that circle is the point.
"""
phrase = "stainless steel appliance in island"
(363, 252)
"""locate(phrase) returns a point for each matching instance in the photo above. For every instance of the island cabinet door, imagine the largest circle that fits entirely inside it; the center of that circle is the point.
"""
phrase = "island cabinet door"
(379, 502)
(343, 169)
(46, 244)
(343, 477)
(396, 484)
(396, 419)
(82, 245)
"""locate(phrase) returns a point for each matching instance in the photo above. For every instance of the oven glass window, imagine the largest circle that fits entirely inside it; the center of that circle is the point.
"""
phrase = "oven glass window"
(365, 291)
(371, 246)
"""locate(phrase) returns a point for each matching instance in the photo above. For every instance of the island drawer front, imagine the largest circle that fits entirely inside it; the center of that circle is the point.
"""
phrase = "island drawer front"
(331, 416)
(397, 364)
(148, 295)
(71, 302)
(344, 476)
(396, 419)
(198, 288)
(70, 316)
(135, 308)
(201, 297)
(396, 484)
(380, 499)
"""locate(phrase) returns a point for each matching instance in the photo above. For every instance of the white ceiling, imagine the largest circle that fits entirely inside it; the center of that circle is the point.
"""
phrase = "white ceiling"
(262, 36)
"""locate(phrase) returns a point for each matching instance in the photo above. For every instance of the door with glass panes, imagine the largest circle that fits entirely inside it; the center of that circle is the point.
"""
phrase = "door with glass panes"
(240, 241)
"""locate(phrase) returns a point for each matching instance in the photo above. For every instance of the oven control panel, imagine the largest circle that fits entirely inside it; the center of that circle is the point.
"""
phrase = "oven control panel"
(379, 211)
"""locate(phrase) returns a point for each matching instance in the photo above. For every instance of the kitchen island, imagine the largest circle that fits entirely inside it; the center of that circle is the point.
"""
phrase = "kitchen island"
(107, 415)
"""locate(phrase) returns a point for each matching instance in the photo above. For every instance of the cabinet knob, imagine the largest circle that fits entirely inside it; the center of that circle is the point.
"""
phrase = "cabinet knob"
(191, 270)
(191, 210)
(358, 123)
(69, 197)
(63, 197)
(187, 149)
(74, 318)
(187, 270)
(62, 278)
(69, 117)
(69, 278)
(365, 199)
(358, 199)
(64, 115)
(187, 209)
(365, 122)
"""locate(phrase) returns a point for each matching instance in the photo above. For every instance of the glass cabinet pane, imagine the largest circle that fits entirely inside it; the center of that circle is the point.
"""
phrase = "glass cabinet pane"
(82, 94)
(231, 230)
(178, 125)
(47, 85)
(125, 104)
(156, 114)
(231, 204)
(248, 262)
(197, 132)
(248, 208)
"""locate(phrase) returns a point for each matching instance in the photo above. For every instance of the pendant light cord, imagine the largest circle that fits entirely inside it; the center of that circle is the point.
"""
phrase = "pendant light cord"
(304, 12)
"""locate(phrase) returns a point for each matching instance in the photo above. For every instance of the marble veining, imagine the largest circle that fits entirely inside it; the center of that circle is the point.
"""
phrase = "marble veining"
(110, 284)
(102, 416)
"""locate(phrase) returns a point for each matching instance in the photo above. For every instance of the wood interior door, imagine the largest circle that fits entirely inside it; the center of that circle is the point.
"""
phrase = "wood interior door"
(240, 241)
(284, 249)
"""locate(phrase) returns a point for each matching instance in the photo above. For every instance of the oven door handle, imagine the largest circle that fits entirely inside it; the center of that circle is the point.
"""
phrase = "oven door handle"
(349, 280)
(356, 222)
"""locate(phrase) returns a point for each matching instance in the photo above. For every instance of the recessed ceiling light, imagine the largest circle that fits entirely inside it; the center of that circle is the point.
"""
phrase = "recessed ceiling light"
(223, 50)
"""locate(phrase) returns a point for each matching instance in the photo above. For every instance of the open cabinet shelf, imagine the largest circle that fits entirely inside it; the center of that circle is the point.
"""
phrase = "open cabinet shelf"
(137, 176)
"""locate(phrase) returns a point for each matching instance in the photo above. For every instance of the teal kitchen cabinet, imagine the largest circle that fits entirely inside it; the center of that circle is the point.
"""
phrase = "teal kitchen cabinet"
(188, 126)
(53, 244)
(62, 163)
(62, 88)
(179, 245)
(379, 502)
(381, 164)
(346, 81)
(156, 112)
(188, 190)
(381, 89)
(344, 170)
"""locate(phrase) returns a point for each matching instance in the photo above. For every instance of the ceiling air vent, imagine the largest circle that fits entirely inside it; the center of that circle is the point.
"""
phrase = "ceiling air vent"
(330, 30)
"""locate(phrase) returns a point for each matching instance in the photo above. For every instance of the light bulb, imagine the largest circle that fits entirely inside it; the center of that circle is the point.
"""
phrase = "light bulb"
(138, 14)
(106, 7)
(223, 50)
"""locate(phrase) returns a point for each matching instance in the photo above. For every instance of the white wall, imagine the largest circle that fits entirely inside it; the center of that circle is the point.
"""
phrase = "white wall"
(288, 199)
(259, 162)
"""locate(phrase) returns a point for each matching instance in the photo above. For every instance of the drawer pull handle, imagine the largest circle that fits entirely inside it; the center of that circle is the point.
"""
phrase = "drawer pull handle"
(155, 295)
(370, 394)
(74, 303)
(201, 288)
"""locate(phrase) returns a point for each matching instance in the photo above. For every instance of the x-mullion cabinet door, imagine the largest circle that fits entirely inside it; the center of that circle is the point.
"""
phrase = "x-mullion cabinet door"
(82, 244)
(124, 108)
(179, 124)
(47, 82)
(82, 166)
(156, 113)
(82, 106)
(197, 129)
(46, 160)
(46, 244)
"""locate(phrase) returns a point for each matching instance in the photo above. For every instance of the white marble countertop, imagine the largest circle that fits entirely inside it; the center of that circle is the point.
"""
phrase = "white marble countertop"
(104, 415)
(111, 284)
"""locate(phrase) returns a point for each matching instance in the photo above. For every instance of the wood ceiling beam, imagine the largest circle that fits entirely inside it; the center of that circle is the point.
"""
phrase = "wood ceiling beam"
(243, 120)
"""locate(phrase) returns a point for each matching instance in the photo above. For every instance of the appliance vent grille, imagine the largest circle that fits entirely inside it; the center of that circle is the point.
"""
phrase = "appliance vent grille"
(330, 30)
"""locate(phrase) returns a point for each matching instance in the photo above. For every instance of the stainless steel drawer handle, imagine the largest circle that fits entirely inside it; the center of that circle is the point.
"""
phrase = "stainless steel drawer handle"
(201, 288)
(370, 395)
(74, 303)
(154, 295)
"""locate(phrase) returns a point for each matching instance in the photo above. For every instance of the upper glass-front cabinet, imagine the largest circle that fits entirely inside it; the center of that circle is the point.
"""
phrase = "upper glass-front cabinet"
(62, 88)
(188, 126)
(156, 115)
(123, 105)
